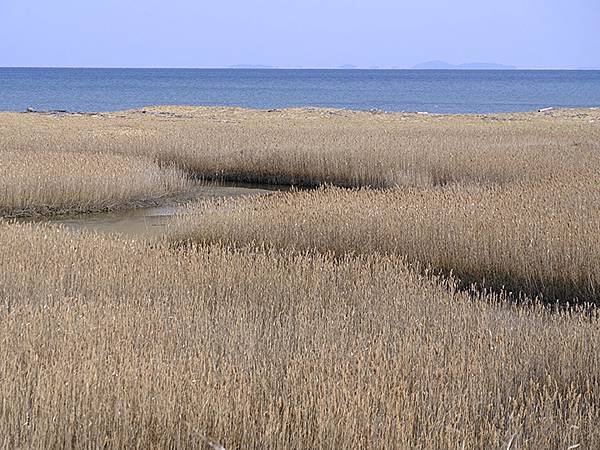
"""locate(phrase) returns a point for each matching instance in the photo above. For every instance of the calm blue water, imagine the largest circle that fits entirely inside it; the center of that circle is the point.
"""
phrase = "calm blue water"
(437, 91)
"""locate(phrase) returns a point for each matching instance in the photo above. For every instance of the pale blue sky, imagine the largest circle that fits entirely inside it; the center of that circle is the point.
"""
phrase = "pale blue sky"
(308, 33)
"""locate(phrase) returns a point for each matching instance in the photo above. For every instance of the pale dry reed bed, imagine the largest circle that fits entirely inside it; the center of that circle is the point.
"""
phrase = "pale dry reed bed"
(540, 239)
(314, 146)
(51, 182)
(113, 343)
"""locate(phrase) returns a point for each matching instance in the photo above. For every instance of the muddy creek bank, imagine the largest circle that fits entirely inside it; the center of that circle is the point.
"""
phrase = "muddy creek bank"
(152, 221)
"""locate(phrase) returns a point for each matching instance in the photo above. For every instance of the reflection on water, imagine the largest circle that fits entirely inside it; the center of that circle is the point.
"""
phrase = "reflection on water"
(144, 221)
(149, 222)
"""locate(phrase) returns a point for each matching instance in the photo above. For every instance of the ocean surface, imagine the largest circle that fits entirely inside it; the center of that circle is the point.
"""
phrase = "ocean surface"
(434, 91)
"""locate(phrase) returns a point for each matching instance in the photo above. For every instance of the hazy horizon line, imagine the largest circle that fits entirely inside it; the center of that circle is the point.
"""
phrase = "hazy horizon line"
(266, 67)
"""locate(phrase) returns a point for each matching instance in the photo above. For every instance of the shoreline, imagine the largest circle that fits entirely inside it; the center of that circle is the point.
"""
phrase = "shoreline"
(155, 109)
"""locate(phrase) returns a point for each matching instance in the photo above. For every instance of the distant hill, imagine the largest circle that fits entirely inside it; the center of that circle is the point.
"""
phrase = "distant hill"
(464, 66)
(348, 66)
(251, 66)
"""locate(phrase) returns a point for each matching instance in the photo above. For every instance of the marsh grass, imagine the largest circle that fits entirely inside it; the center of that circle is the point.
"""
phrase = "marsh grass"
(308, 319)
(117, 343)
(309, 147)
(50, 182)
(540, 240)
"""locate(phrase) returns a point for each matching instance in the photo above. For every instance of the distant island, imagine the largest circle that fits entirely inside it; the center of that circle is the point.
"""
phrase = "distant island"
(423, 65)
(464, 66)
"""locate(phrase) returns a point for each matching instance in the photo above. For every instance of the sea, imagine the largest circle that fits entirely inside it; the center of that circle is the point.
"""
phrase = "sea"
(432, 91)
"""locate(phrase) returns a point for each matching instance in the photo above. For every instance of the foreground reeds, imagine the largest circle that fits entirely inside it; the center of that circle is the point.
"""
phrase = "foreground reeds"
(325, 319)
(113, 343)
(540, 240)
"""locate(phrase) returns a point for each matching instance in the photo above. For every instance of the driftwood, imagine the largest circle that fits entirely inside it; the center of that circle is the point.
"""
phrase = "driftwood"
(60, 112)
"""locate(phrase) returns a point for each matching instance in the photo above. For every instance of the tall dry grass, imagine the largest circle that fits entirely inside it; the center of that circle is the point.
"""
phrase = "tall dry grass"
(294, 320)
(51, 182)
(536, 239)
(311, 147)
(114, 343)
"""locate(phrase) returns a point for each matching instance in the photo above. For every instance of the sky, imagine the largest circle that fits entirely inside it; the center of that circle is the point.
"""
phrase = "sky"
(298, 33)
